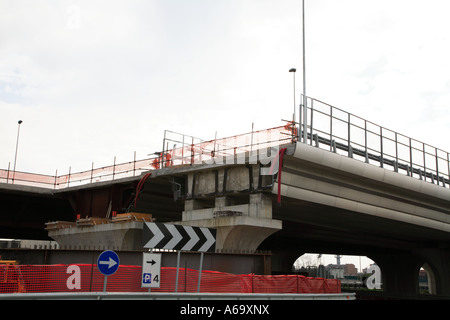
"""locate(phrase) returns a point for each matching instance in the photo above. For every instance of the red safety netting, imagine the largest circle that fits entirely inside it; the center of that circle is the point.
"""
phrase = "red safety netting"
(87, 278)
(192, 151)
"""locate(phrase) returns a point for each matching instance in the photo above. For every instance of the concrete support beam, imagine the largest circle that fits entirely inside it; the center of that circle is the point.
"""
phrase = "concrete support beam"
(115, 236)
(226, 180)
(239, 227)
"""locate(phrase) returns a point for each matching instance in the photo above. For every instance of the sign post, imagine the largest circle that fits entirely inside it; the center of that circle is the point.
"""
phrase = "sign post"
(200, 272)
(107, 264)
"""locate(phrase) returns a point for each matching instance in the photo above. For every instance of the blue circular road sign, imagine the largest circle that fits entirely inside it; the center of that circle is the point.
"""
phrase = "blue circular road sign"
(108, 262)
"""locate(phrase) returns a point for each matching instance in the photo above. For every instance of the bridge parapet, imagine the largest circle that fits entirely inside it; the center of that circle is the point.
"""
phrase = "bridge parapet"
(341, 132)
(318, 176)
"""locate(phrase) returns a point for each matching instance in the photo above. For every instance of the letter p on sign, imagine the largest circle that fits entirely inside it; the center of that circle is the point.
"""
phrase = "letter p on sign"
(147, 278)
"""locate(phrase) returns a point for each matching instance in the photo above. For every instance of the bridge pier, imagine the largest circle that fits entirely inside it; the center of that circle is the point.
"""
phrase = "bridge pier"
(283, 260)
(437, 264)
(400, 271)
(241, 227)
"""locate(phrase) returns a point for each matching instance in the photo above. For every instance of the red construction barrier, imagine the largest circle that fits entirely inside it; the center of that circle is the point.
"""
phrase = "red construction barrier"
(274, 284)
(87, 278)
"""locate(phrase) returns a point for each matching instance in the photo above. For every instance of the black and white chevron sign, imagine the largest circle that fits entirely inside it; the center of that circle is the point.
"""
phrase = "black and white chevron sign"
(178, 237)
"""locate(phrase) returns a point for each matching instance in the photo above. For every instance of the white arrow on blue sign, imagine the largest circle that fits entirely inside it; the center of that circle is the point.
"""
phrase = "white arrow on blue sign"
(108, 262)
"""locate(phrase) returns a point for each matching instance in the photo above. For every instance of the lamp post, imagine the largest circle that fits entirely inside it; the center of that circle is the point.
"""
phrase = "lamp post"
(17, 145)
(305, 100)
(293, 70)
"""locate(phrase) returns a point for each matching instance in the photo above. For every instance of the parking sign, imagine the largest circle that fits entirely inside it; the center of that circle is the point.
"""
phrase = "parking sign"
(151, 270)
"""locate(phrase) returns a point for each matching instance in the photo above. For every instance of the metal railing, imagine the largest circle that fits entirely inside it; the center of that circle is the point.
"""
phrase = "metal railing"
(328, 128)
(174, 296)
(108, 173)
(188, 150)
(192, 151)
(341, 132)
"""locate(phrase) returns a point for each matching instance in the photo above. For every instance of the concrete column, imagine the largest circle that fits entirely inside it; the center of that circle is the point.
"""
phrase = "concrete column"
(242, 238)
(437, 264)
(400, 273)
(283, 260)
(240, 228)
(260, 206)
(222, 202)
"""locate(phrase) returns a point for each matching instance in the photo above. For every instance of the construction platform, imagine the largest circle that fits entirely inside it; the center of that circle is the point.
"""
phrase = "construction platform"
(120, 232)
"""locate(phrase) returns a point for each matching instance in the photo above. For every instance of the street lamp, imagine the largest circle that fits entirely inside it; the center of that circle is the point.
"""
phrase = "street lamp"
(17, 145)
(305, 100)
(293, 70)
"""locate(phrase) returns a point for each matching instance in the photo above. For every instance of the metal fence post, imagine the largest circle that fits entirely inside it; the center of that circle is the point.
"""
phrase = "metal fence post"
(381, 148)
(178, 269)
(114, 167)
(200, 272)
(410, 158)
(68, 178)
(396, 153)
(365, 141)
(349, 152)
(56, 177)
(134, 164)
(7, 175)
(437, 165)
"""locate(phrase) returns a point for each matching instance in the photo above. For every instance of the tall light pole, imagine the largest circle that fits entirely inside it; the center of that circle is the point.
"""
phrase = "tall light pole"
(17, 146)
(304, 102)
(293, 70)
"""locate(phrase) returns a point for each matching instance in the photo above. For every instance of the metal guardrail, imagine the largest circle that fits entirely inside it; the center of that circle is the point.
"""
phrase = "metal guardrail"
(180, 149)
(190, 151)
(108, 173)
(172, 296)
(341, 132)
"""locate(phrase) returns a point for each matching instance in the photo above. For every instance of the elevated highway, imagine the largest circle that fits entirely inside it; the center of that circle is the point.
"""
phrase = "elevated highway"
(325, 202)
(292, 194)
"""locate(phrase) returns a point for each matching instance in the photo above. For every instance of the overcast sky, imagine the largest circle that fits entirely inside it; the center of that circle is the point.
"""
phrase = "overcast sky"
(96, 79)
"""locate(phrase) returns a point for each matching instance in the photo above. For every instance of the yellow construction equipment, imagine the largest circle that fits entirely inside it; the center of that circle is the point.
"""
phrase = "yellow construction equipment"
(11, 280)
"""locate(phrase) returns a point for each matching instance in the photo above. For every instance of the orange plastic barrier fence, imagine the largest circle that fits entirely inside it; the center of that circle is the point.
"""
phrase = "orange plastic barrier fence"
(87, 278)
(188, 154)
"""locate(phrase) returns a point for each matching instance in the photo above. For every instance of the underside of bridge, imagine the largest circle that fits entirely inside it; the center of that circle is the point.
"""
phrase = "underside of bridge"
(308, 227)
(24, 212)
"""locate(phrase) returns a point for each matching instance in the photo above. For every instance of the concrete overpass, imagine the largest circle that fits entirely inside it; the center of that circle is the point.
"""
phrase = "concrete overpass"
(329, 195)
(329, 203)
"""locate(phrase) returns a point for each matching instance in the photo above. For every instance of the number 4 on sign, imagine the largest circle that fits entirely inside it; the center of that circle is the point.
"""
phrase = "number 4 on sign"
(147, 278)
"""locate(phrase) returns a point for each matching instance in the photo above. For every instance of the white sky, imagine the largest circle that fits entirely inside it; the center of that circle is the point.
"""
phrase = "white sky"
(96, 79)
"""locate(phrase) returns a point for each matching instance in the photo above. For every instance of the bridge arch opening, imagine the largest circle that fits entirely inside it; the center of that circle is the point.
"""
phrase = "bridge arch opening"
(353, 271)
(427, 280)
